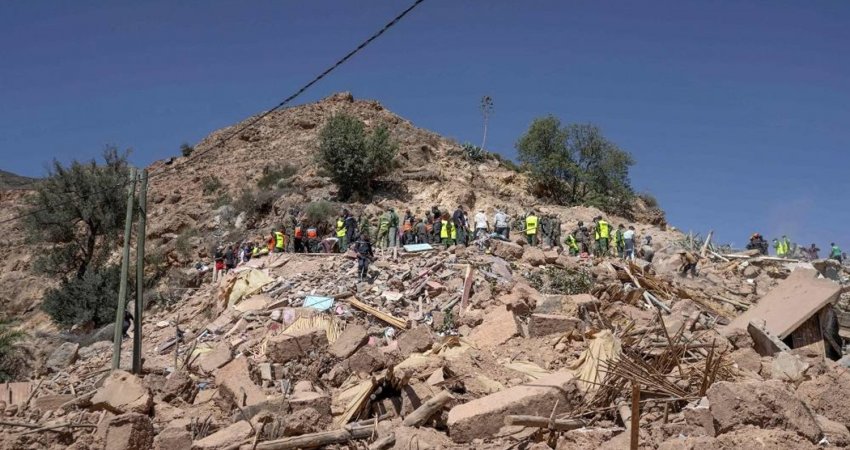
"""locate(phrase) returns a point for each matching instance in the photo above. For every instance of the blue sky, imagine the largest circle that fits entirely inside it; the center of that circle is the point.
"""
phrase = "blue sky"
(738, 113)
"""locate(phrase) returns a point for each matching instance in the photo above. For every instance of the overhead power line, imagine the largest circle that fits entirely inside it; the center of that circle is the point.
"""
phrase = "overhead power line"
(252, 122)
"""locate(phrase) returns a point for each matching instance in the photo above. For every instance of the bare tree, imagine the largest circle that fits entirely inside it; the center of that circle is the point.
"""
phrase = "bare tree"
(486, 110)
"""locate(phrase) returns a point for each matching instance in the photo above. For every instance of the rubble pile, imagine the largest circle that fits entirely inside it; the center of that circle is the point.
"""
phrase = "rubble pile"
(457, 348)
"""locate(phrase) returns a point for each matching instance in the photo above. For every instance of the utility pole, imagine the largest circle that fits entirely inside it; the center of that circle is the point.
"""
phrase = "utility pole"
(140, 274)
(125, 262)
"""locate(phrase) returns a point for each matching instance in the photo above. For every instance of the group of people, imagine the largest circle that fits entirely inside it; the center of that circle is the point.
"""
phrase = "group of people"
(602, 239)
(784, 248)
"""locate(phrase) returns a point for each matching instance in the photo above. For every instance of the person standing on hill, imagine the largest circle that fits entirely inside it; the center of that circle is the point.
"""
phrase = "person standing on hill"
(459, 221)
(629, 243)
(481, 225)
(365, 255)
(835, 252)
(603, 232)
(446, 230)
(531, 228)
(502, 224)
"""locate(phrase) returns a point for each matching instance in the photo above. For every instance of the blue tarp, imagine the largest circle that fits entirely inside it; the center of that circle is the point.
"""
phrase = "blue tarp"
(418, 248)
(320, 303)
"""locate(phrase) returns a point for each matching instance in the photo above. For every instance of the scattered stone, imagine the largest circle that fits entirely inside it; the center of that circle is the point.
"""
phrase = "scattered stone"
(534, 256)
(215, 358)
(787, 367)
(266, 372)
(131, 431)
(367, 360)
(179, 385)
(483, 417)
(836, 433)
(498, 327)
(546, 324)
(51, 401)
(173, 438)
(506, 250)
(416, 340)
(747, 359)
(827, 394)
(225, 437)
(766, 404)
(62, 357)
(123, 392)
(292, 345)
(352, 338)
(235, 384)
(98, 348)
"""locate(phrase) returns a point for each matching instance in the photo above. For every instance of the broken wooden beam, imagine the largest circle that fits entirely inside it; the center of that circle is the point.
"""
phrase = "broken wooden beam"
(544, 422)
(315, 440)
(394, 321)
(383, 443)
(424, 412)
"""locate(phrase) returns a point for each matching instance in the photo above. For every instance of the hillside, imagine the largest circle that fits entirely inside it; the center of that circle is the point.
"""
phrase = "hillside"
(9, 180)
(431, 170)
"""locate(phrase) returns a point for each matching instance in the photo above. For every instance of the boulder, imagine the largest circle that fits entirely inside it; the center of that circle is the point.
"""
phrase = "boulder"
(506, 250)
(834, 432)
(483, 417)
(123, 392)
(292, 345)
(225, 437)
(352, 338)
(766, 404)
(131, 431)
(787, 367)
(173, 438)
(546, 324)
(747, 359)
(498, 327)
(98, 348)
(416, 340)
(367, 360)
(826, 394)
(179, 385)
(215, 358)
(534, 256)
(51, 401)
(234, 383)
(63, 356)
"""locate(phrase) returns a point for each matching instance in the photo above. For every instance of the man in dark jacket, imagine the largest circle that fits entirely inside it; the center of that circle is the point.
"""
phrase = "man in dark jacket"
(365, 255)
(459, 220)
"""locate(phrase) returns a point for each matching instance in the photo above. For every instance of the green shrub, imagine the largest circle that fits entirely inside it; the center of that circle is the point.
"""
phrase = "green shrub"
(210, 185)
(321, 211)
(186, 149)
(354, 159)
(648, 199)
(13, 357)
(183, 243)
(255, 204)
(554, 280)
(275, 176)
(473, 153)
(90, 298)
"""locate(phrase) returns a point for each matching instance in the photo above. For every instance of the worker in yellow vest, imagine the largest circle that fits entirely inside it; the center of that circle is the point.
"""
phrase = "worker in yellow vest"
(279, 241)
(531, 228)
(341, 233)
(603, 233)
(447, 231)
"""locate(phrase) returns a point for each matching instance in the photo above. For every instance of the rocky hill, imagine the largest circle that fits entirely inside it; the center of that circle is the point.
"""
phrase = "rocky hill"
(9, 180)
(187, 216)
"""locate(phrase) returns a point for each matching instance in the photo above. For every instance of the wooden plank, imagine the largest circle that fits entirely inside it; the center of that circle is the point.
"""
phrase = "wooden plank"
(808, 335)
(394, 321)
(706, 244)
(467, 287)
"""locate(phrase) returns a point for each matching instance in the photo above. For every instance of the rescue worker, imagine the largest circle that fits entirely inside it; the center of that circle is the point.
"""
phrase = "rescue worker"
(629, 243)
(125, 324)
(501, 223)
(579, 234)
(446, 230)
(619, 245)
(779, 248)
(420, 232)
(279, 241)
(481, 224)
(407, 228)
(757, 242)
(365, 255)
(544, 231)
(572, 244)
(689, 263)
(531, 221)
(603, 233)
(556, 230)
(814, 252)
(459, 220)
(383, 230)
(646, 250)
(350, 230)
(341, 232)
(786, 245)
(312, 239)
(366, 227)
(298, 237)
(835, 253)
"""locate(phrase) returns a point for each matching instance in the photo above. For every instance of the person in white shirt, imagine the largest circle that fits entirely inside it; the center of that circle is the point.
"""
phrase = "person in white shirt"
(629, 241)
(481, 225)
(501, 224)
